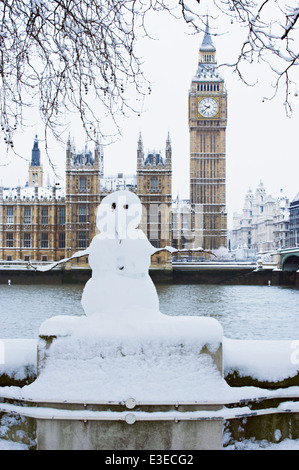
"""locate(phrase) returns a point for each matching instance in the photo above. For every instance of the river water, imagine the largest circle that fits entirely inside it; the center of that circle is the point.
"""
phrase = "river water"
(245, 312)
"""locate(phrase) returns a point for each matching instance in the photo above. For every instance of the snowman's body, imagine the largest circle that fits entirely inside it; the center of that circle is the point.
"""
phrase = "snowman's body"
(119, 257)
(120, 279)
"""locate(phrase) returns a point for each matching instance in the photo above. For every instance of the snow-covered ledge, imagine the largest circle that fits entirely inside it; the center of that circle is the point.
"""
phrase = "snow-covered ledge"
(18, 361)
(263, 361)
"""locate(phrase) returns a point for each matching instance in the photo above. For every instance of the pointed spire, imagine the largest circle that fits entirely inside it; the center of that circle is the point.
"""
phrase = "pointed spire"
(35, 153)
(140, 143)
(207, 43)
(140, 152)
(207, 63)
(168, 141)
(168, 151)
(68, 151)
(99, 155)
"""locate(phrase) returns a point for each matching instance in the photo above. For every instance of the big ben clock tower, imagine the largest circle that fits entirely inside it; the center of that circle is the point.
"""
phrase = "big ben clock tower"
(207, 125)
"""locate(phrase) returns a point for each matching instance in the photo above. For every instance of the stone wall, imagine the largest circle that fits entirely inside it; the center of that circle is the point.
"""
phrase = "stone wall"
(229, 276)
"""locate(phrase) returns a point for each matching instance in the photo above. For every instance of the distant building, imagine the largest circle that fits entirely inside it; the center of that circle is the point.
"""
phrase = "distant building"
(294, 222)
(263, 224)
(43, 223)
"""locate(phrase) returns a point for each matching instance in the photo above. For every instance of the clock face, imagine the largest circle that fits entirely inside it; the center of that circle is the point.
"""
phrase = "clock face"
(208, 107)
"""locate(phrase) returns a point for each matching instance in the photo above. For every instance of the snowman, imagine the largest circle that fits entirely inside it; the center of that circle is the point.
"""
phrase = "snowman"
(120, 257)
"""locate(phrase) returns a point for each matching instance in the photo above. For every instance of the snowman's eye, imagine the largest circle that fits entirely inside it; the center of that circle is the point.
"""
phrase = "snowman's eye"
(126, 206)
(113, 205)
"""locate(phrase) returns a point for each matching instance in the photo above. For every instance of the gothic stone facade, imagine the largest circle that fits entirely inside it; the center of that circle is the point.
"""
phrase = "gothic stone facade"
(40, 223)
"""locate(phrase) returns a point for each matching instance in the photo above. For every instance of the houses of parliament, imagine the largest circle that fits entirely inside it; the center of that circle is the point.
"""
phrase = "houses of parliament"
(39, 223)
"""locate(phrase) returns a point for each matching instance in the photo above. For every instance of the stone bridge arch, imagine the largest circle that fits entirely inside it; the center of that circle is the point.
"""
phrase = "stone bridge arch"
(290, 260)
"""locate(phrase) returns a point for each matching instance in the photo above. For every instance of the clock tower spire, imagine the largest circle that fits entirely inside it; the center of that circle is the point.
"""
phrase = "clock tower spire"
(207, 51)
(207, 125)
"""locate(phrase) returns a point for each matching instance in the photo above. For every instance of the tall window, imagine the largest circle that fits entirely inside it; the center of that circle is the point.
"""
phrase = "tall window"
(45, 216)
(82, 239)
(27, 240)
(9, 215)
(61, 240)
(27, 215)
(45, 240)
(82, 214)
(9, 239)
(62, 215)
(82, 183)
(154, 183)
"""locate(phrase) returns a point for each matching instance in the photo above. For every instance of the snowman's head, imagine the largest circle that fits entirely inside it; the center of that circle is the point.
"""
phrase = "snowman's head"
(119, 214)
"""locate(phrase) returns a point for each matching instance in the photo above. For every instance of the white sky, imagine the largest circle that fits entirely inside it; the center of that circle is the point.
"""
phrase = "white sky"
(262, 143)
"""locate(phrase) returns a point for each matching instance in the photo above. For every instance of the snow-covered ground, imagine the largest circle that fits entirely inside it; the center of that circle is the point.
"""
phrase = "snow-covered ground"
(9, 445)
(286, 444)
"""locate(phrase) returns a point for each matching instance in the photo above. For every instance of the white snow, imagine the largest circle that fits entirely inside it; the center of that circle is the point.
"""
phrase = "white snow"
(19, 358)
(28, 193)
(10, 445)
(263, 360)
(120, 257)
(146, 357)
(138, 326)
(252, 444)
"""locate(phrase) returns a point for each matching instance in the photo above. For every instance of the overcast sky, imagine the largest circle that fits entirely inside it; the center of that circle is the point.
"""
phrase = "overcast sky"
(261, 142)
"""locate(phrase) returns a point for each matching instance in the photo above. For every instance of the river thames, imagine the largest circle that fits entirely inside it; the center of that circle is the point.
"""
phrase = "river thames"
(245, 312)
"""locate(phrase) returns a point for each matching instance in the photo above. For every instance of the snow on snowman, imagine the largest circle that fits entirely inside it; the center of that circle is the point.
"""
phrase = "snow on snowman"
(120, 257)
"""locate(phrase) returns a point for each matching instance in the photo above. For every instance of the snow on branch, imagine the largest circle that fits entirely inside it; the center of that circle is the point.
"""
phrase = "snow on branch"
(271, 29)
(70, 56)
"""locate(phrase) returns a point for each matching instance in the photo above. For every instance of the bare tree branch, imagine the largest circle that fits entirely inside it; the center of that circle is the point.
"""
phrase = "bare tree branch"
(79, 56)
